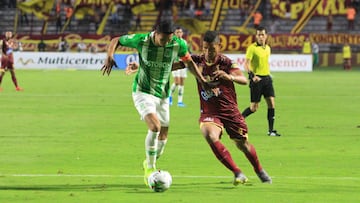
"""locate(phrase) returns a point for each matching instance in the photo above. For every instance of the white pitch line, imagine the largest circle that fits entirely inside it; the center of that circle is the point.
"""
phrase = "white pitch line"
(175, 176)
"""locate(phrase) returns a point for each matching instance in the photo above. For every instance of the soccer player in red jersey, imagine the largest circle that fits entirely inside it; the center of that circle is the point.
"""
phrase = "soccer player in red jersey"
(219, 108)
(7, 59)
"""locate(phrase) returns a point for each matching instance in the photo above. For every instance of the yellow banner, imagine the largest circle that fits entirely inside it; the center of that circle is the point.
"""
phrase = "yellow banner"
(39, 8)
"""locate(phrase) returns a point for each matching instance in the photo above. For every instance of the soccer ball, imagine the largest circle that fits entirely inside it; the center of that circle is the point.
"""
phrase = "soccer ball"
(160, 181)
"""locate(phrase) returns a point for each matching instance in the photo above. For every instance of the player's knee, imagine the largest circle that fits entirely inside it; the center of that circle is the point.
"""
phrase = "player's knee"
(254, 108)
(242, 144)
(154, 126)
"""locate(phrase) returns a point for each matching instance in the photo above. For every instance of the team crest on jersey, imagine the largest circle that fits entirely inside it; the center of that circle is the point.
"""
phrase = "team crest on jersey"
(168, 53)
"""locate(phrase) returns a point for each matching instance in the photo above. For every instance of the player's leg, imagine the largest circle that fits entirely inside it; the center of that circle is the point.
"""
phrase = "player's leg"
(183, 75)
(162, 140)
(181, 92)
(2, 73)
(14, 80)
(212, 133)
(173, 85)
(250, 152)
(146, 106)
(255, 97)
(271, 116)
(163, 113)
(2, 69)
(269, 95)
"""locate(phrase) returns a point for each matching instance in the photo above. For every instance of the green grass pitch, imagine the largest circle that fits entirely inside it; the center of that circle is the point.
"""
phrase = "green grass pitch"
(74, 136)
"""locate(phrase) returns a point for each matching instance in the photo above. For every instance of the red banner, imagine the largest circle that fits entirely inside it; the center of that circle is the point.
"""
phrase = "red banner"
(229, 42)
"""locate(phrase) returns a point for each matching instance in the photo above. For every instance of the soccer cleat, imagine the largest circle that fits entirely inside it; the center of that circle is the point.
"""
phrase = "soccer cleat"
(273, 133)
(147, 172)
(264, 177)
(1, 89)
(19, 89)
(170, 100)
(239, 178)
(181, 104)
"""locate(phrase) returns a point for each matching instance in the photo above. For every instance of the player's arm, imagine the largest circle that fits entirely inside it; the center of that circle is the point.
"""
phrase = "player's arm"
(238, 77)
(234, 75)
(109, 61)
(248, 69)
(178, 65)
(193, 68)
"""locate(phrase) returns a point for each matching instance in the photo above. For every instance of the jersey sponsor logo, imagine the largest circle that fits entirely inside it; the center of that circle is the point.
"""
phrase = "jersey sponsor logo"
(153, 64)
(207, 94)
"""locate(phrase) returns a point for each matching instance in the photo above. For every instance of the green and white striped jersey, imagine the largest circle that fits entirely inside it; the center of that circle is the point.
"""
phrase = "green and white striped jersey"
(155, 62)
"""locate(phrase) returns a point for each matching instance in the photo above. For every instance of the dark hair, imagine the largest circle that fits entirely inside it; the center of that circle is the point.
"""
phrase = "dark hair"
(165, 26)
(211, 36)
(261, 28)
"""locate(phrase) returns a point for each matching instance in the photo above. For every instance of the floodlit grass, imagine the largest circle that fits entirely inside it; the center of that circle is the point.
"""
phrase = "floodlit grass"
(74, 136)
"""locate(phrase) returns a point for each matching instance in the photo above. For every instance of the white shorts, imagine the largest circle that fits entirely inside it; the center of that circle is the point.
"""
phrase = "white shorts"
(147, 103)
(181, 73)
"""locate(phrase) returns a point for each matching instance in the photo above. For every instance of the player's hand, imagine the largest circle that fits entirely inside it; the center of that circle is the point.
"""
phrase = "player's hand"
(256, 79)
(107, 67)
(131, 68)
(222, 74)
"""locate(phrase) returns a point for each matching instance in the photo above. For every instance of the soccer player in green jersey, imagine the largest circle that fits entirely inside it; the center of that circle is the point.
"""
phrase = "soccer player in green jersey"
(151, 89)
(179, 76)
(257, 65)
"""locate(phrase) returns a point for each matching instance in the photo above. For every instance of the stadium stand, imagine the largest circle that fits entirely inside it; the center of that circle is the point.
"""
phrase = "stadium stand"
(232, 19)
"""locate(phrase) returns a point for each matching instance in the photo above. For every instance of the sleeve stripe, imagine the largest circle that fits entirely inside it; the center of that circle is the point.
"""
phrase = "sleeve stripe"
(187, 57)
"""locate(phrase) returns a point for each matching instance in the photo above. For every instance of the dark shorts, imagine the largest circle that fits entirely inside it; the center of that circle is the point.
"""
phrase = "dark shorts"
(7, 62)
(235, 126)
(263, 87)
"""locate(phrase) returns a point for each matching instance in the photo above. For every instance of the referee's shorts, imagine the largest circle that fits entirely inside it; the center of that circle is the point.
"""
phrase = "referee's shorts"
(262, 88)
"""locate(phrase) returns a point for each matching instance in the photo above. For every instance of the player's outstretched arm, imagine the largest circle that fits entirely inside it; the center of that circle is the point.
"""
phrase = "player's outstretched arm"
(109, 61)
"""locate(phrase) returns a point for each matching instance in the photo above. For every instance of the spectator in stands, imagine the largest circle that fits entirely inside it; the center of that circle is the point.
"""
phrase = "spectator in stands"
(288, 9)
(315, 52)
(350, 16)
(115, 15)
(58, 16)
(12, 3)
(329, 22)
(18, 46)
(347, 56)
(273, 26)
(93, 48)
(68, 14)
(23, 15)
(41, 45)
(306, 49)
(257, 19)
(207, 10)
(81, 46)
(191, 10)
(63, 45)
(138, 22)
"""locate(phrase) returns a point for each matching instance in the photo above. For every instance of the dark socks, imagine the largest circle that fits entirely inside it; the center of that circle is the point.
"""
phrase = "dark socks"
(271, 118)
(247, 112)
